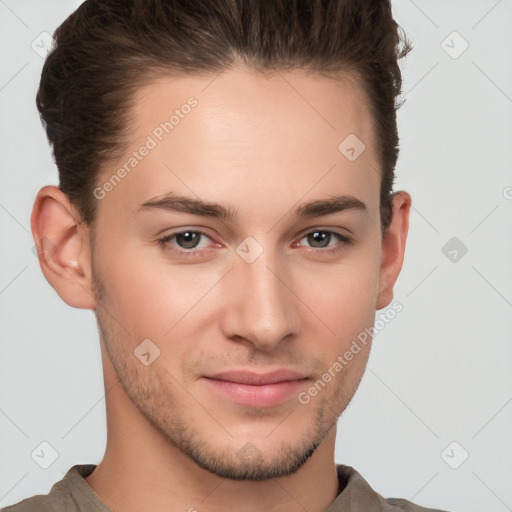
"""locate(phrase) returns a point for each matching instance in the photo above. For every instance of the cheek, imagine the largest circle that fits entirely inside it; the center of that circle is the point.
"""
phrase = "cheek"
(156, 301)
(134, 292)
(344, 292)
(161, 301)
(344, 299)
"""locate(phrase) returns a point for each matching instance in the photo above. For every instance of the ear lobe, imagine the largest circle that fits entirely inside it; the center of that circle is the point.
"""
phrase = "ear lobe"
(63, 247)
(393, 248)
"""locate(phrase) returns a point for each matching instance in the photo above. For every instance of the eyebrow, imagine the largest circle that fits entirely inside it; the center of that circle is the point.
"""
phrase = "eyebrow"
(183, 204)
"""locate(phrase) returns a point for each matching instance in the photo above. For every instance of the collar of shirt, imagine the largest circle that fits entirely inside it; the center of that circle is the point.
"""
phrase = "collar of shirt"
(356, 493)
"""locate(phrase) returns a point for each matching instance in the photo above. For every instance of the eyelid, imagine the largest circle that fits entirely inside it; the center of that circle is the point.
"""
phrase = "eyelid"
(327, 229)
(181, 231)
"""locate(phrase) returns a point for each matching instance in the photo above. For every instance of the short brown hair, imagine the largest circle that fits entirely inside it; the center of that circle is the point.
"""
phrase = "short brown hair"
(107, 49)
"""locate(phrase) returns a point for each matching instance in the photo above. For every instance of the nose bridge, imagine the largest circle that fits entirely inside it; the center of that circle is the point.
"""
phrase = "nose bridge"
(262, 310)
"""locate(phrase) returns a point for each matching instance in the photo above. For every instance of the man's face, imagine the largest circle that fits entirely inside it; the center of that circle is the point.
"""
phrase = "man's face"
(261, 291)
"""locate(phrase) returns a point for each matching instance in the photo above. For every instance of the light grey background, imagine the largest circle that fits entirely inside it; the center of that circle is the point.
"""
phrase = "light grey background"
(438, 373)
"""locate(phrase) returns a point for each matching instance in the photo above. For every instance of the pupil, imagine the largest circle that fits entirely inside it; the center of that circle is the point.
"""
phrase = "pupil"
(189, 237)
(323, 237)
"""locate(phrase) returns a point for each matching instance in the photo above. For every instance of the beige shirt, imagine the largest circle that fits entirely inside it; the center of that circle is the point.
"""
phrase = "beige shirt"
(73, 494)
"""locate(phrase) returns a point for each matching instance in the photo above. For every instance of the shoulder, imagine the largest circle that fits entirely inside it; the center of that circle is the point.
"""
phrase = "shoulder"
(62, 497)
(358, 494)
(396, 504)
(39, 502)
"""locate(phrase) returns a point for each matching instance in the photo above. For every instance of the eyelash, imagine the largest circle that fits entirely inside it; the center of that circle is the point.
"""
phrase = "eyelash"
(163, 242)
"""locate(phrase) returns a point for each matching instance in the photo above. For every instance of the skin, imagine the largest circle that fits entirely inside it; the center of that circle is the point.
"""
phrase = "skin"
(257, 146)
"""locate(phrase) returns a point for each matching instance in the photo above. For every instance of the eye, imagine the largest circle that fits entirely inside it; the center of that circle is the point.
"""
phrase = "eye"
(186, 242)
(321, 239)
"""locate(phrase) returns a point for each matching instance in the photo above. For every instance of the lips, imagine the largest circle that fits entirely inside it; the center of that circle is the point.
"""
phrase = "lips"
(257, 379)
(256, 389)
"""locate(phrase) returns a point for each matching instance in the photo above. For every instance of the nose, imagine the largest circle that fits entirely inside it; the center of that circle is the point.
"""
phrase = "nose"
(260, 306)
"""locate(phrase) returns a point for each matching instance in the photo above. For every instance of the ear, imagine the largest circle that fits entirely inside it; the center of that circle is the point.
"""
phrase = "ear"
(63, 247)
(393, 248)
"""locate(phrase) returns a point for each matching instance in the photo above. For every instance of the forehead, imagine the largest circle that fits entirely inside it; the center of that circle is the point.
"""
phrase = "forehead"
(300, 103)
(280, 136)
